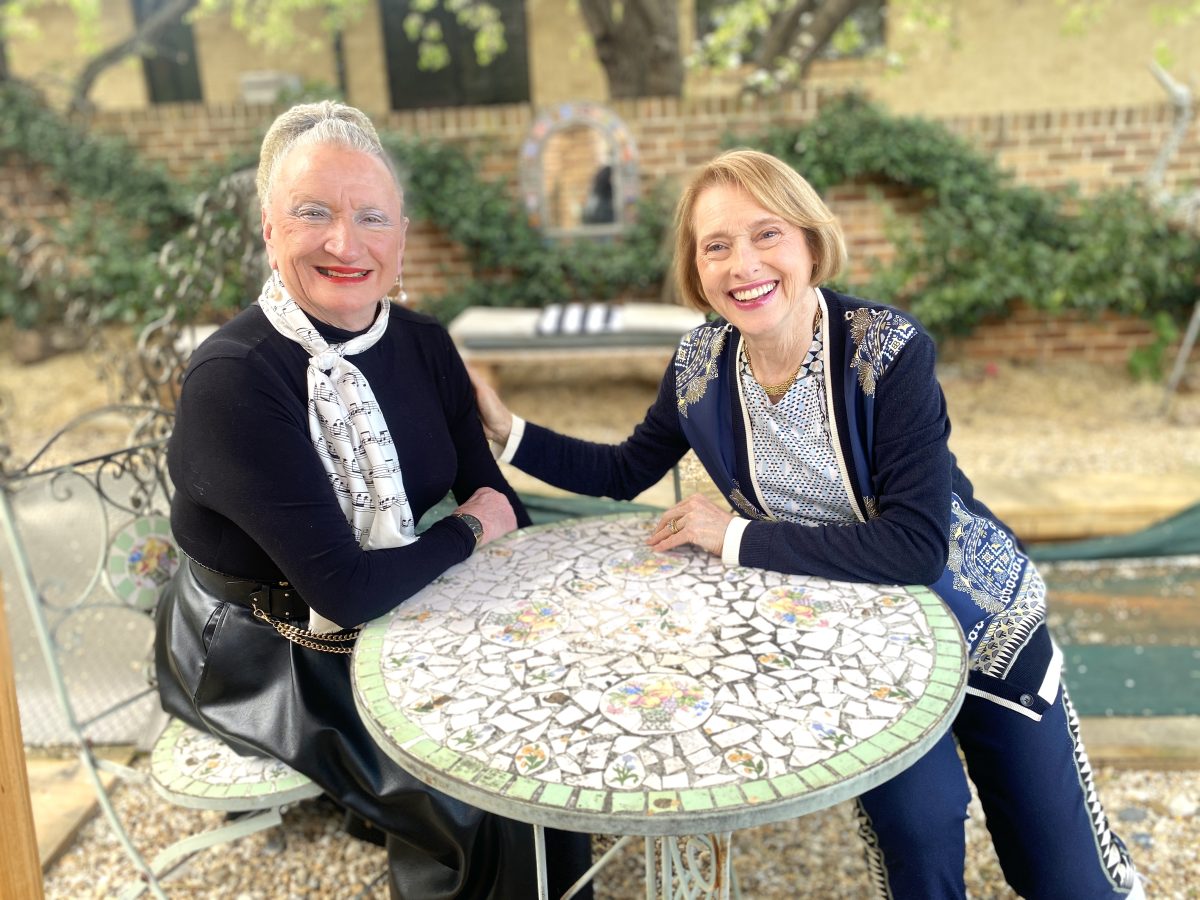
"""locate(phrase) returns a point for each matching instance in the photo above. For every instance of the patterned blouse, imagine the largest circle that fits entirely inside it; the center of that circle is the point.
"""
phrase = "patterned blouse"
(793, 458)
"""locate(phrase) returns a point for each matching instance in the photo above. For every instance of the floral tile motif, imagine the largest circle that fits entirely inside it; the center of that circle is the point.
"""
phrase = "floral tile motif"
(205, 758)
(531, 757)
(798, 607)
(523, 623)
(746, 763)
(625, 772)
(658, 704)
(471, 737)
(141, 559)
(641, 563)
(573, 657)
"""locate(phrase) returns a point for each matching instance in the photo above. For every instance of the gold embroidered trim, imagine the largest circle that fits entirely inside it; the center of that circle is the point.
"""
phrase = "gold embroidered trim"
(696, 364)
(739, 501)
(879, 336)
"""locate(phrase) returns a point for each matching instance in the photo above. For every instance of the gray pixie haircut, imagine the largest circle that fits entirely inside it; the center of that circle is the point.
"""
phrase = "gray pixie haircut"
(310, 124)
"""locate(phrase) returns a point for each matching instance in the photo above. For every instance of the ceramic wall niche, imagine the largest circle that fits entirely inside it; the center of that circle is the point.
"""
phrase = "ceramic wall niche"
(579, 171)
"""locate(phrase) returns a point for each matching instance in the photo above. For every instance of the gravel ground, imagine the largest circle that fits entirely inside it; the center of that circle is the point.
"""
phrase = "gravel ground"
(816, 856)
(1021, 419)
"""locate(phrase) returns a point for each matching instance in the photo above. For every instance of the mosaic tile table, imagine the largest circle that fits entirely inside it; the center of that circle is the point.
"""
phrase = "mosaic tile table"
(570, 677)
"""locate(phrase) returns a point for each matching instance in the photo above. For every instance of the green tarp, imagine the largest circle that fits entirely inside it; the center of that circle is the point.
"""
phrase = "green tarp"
(1178, 535)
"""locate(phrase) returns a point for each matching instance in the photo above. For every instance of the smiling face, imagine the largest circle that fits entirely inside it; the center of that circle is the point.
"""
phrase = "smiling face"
(334, 228)
(755, 267)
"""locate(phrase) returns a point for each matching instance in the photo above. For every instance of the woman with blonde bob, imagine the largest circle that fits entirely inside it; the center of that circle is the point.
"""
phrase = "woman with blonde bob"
(820, 419)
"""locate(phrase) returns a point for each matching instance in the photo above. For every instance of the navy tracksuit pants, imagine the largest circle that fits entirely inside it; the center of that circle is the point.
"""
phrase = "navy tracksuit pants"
(1034, 781)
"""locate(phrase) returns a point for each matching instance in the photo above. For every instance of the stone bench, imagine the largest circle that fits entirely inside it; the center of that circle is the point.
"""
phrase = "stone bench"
(572, 334)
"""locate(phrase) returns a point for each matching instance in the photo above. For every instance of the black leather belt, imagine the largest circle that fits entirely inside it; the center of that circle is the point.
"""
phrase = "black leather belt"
(276, 598)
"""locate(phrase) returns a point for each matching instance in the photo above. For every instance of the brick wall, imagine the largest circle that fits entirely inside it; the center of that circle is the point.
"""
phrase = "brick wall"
(1094, 148)
(1031, 335)
(25, 195)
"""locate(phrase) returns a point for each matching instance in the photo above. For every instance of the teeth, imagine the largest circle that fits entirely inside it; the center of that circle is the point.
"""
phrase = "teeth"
(332, 274)
(754, 293)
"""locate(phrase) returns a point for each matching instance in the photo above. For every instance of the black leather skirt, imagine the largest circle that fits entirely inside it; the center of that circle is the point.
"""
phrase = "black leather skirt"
(222, 670)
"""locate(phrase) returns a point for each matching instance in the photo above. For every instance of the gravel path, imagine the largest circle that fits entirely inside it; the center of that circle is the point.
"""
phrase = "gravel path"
(816, 856)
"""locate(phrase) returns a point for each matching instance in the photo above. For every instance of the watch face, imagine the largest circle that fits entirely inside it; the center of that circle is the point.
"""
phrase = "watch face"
(473, 523)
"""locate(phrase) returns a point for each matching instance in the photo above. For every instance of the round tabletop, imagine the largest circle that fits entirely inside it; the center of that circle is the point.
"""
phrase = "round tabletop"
(569, 676)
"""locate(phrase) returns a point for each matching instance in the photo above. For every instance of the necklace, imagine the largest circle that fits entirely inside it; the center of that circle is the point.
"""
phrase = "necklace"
(773, 390)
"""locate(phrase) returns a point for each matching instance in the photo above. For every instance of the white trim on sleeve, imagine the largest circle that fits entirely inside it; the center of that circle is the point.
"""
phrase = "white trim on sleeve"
(514, 440)
(731, 549)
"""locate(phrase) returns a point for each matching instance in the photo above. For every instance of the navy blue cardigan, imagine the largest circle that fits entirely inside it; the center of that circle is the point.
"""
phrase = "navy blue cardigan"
(919, 519)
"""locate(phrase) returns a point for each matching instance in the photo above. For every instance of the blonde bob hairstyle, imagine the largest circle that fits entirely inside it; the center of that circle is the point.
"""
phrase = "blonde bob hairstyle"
(777, 188)
(309, 124)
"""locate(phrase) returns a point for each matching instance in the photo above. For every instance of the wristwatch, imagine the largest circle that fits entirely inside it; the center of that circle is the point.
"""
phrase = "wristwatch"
(473, 523)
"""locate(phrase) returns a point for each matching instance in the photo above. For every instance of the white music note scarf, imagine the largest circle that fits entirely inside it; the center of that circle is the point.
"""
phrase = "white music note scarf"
(347, 429)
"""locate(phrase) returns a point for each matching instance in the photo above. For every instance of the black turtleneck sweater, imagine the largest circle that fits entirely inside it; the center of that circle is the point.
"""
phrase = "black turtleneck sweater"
(252, 499)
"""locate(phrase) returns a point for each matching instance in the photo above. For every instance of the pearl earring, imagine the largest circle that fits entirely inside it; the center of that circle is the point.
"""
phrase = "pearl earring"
(397, 294)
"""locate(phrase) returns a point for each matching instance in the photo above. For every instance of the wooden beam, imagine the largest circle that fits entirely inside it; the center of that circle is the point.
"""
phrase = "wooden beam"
(21, 874)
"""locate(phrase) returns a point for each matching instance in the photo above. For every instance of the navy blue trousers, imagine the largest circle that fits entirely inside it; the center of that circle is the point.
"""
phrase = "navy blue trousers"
(1051, 834)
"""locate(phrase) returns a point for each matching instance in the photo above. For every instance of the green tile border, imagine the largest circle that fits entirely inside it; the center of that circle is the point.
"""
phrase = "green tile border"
(554, 794)
(696, 799)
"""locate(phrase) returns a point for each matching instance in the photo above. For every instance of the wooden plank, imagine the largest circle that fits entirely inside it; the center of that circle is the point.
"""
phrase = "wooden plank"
(1142, 742)
(63, 798)
(20, 875)
(1098, 504)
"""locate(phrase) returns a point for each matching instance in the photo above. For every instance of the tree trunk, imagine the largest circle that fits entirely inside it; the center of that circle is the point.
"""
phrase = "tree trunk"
(801, 32)
(639, 48)
(140, 43)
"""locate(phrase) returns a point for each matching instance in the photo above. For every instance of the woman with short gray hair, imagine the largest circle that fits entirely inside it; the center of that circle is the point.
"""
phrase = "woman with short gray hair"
(313, 432)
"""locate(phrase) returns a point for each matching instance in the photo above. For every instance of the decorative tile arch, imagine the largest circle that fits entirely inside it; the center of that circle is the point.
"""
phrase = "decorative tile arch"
(620, 155)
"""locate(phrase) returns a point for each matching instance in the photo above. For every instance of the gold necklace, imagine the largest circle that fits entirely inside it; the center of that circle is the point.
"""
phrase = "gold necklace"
(773, 390)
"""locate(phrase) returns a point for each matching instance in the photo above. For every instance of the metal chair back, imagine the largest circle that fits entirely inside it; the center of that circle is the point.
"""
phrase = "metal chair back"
(87, 527)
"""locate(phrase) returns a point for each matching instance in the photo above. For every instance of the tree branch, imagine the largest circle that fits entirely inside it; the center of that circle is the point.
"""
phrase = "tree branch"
(785, 30)
(801, 32)
(140, 43)
(1184, 208)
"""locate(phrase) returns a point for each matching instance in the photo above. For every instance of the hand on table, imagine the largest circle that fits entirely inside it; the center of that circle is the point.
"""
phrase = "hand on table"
(496, 419)
(696, 520)
(493, 511)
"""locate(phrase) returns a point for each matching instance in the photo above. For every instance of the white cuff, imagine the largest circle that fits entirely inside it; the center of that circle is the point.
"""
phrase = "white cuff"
(514, 440)
(731, 549)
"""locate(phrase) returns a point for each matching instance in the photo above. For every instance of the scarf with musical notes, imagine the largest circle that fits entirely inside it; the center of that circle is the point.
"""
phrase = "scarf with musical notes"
(347, 429)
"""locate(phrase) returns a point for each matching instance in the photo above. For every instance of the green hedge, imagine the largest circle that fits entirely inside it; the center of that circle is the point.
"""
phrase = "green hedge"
(512, 263)
(978, 242)
(981, 241)
(121, 211)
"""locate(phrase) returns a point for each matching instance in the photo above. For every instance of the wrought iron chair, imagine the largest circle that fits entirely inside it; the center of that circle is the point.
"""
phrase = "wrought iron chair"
(91, 547)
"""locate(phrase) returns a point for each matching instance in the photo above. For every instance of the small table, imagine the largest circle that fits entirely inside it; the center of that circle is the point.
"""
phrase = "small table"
(568, 676)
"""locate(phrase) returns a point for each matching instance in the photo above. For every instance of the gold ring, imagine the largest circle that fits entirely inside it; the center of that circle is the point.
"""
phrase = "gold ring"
(674, 525)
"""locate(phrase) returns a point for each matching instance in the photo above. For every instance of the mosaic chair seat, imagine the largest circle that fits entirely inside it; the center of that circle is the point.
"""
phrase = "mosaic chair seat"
(90, 548)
